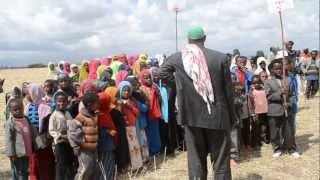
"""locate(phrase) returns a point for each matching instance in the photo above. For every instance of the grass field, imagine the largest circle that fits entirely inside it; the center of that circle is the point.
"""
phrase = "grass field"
(254, 166)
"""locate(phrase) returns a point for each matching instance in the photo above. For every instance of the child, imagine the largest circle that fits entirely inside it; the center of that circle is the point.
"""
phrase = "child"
(154, 113)
(58, 130)
(260, 127)
(53, 73)
(38, 113)
(141, 124)
(277, 108)
(83, 137)
(311, 69)
(18, 138)
(107, 137)
(130, 111)
(263, 76)
(49, 88)
(74, 73)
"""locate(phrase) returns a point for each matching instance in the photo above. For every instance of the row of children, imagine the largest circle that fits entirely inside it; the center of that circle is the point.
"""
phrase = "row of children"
(67, 129)
(266, 104)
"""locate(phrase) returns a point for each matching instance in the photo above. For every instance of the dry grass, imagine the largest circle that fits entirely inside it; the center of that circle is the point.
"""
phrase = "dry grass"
(254, 166)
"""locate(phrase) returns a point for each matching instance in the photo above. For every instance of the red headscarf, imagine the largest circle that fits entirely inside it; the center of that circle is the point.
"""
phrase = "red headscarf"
(86, 86)
(106, 61)
(93, 66)
(121, 76)
(153, 95)
(132, 60)
(104, 118)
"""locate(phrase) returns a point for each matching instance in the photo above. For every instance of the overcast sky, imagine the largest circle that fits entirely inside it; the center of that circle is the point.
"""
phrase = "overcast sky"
(51, 30)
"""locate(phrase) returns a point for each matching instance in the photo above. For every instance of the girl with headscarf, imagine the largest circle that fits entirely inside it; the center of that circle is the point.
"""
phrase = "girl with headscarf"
(38, 112)
(93, 67)
(122, 74)
(104, 80)
(130, 111)
(53, 73)
(132, 59)
(115, 66)
(122, 149)
(123, 58)
(141, 124)
(106, 139)
(262, 66)
(66, 68)
(106, 61)
(84, 71)
(60, 68)
(154, 113)
(139, 64)
(75, 74)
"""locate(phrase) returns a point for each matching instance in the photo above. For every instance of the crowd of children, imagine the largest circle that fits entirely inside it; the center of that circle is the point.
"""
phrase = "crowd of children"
(114, 114)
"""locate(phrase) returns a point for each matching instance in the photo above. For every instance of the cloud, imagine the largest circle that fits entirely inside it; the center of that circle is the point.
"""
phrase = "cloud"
(40, 31)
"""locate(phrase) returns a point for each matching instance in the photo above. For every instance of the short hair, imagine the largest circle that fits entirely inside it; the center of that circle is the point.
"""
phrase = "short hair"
(291, 42)
(241, 57)
(15, 100)
(89, 98)
(258, 77)
(270, 66)
(60, 93)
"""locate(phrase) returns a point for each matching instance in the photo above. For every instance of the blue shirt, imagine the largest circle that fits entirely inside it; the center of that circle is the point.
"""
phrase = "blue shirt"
(293, 85)
(33, 115)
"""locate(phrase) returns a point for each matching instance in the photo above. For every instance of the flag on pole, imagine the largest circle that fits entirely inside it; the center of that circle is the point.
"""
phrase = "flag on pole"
(275, 6)
(176, 5)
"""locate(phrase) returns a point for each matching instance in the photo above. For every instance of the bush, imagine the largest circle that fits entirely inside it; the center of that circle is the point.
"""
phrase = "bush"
(36, 66)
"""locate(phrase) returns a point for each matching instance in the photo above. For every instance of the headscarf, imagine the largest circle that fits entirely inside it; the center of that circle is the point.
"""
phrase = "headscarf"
(195, 66)
(106, 61)
(87, 86)
(104, 117)
(93, 66)
(52, 74)
(101, 70)
(36, 93)
(115, 66)
(112, 92)
(153, 95)
(71, 67)
(160, 58)
(122, 85)
(66, 68)
(132, 60)
(121, 76)
(123, 58)
(259, 69)
(136, 66)
(83, 72)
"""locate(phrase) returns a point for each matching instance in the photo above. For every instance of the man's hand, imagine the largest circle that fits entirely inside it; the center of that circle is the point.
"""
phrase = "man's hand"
(112, 132)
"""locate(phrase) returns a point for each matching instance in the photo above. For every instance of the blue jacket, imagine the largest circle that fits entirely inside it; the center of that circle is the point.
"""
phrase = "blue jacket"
(293, 86)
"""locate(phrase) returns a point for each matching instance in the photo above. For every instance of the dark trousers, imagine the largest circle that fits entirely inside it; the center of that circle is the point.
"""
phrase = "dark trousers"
(245, 132)
(312, 88)
(19, 168)
(255, 132)
(290, 139)
(277, 132)
(235, 142)
(264, 128)
(201, 142)
(65, 159)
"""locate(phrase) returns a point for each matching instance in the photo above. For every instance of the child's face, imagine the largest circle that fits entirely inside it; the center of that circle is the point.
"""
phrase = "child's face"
(94, 107)
(48, 87)
(16, 110)
(125, 94)
(147, 79)
(256, 83)
(263, 76)
(277, 70)
(75, 70)
(241, 62)
(61, 102)
(77, 88)
(67, 67)
(156, 78)
(86, 66)
(51, 66)
(263, 65)
(135, 85)
(64, 84)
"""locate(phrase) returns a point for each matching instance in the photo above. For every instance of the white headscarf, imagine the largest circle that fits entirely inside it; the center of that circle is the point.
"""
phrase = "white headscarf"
(259, 69)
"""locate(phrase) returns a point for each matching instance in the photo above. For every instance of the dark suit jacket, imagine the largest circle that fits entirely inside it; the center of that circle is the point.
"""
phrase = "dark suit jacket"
(191, 107)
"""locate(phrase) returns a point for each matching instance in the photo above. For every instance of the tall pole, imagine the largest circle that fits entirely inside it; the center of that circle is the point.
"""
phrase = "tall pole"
(284, 84)
(176, 29)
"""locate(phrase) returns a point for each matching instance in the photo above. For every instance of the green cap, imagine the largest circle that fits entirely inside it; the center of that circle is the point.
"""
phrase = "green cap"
(196, 32)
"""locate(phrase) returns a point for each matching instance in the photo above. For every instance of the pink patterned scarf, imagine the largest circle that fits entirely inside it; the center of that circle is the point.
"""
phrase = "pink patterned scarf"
(195, 65)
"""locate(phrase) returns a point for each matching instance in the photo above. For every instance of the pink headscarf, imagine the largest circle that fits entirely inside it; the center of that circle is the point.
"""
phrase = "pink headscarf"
(106, 61)
(66, 68)
(121, 76)
(123, 58)
(87, 86)
(132, 59)
(93, 66)
(36, 93)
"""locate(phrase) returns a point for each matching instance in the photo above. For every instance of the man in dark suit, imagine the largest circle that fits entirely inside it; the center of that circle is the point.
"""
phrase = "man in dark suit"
(205, 104)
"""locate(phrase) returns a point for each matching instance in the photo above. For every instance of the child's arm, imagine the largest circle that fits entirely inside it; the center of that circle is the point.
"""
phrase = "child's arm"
(10, 140)
(272, 96)
(53, 130)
